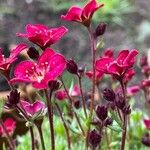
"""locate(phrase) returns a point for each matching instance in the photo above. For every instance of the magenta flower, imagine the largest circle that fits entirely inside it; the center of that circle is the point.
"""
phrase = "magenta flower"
(75, 91)
(98, 76)
(145, 83)
(6, 62)
(10, 126)
(133, 90)
(50, 65)
(61, 95)
(147, 123)
(33, 108)
(119, 66)
(82, 15)
(42, 35)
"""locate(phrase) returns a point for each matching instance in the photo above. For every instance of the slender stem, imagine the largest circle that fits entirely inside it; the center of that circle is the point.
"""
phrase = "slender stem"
(83, 99)
(93, 51)
(65, 126)
(32, 137)
(50, 117)
(76, 116)
(125, 117)
(41, 136)
(10, 142)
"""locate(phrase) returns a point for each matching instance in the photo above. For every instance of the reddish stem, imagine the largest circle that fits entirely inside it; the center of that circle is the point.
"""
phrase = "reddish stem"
(83, 99)
(50, 117)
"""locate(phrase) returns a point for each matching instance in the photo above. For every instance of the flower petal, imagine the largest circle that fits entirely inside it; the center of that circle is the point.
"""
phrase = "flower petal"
(90, 8)
(102, 64)
(73, 14)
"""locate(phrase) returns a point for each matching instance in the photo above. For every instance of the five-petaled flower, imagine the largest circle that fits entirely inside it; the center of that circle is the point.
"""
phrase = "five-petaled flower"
(10, 126)
(82, 15)
(38, 107)
(119, 66)
(6, 62)
(50, 65)
(42, 35)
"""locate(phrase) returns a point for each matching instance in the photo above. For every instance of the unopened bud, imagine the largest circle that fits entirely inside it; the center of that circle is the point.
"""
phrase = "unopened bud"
(94, 138)
(120, 101)
(146, 140)
(54, 85)
(143, 61)
(126, 110)
(33, 53)
(109, 95)
(100, 30)
(13, 98)
(108, 122)
(101, 112)
(72, 66)
(81, 70)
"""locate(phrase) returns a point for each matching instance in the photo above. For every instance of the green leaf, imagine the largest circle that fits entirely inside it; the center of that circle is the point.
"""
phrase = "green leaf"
(115, 117)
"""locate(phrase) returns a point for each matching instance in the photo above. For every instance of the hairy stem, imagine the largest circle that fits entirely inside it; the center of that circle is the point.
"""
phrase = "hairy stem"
(125, 117)
(50, 117)
(65, 126)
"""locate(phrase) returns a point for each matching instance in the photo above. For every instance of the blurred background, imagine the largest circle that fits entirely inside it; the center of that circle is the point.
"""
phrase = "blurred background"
(128, 24)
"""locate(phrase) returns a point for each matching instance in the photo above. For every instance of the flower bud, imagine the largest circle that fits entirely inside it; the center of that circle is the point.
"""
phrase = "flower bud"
(101, 112)
(143, 61)
(13, 98)
(94, 138)
(109, 94)
(146, 140)
(72, 66)
(120, 101)
(100, 30)
(108, 122)
(126, 110)
(77, 104)
(54, 85)
(33, 53)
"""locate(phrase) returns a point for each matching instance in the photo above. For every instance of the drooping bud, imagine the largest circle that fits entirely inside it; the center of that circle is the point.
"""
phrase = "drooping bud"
(101, 112)
(100, 30)
(54, 85)
(120, 101)
(146, 139)
(33, 53)
(109, 94)
(108, 122)
(94, 138)
(13, 98)
(72, 66)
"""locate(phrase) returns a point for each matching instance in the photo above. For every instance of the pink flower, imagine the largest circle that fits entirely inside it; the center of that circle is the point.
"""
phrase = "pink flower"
(145, 83)
(75, 91)
(6, 62)
(10, 126)
(133, 90)
(98, 76)
(33, 108)
(42, 35)
(50, 65)
(119, 66)
(82, 15)
(147, 123)
(61, 95)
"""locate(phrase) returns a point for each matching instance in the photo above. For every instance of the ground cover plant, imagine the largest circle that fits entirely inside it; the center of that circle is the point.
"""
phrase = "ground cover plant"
(56, 103)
